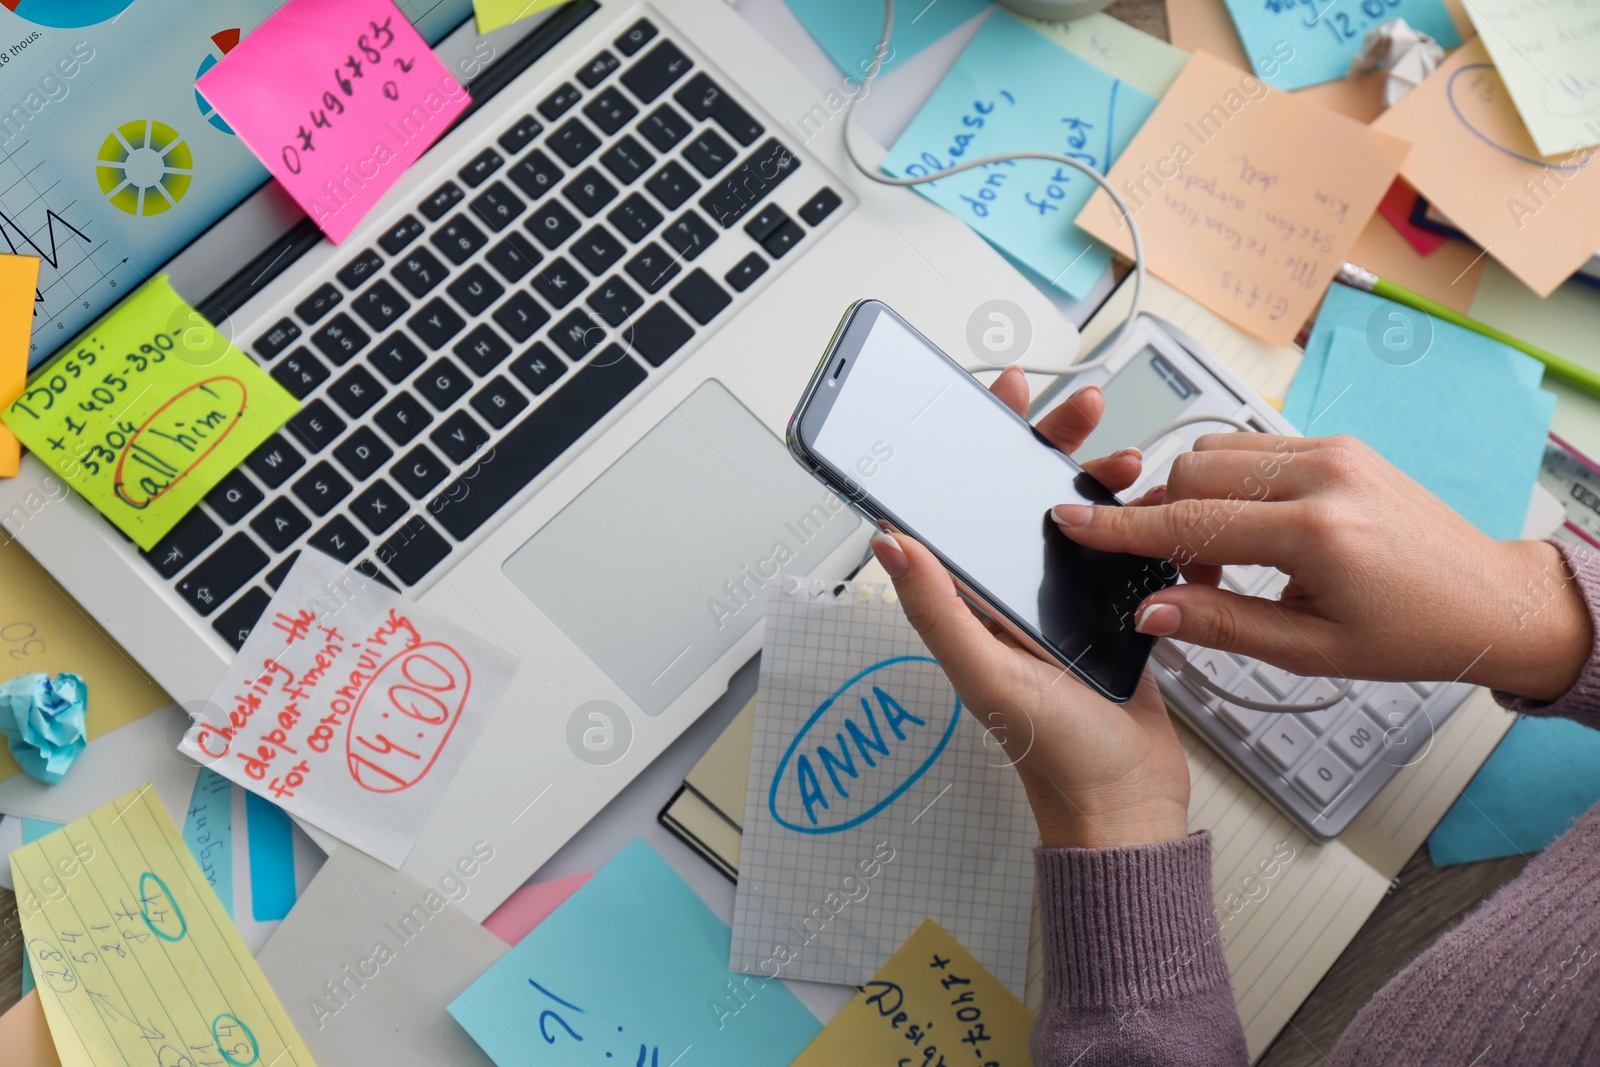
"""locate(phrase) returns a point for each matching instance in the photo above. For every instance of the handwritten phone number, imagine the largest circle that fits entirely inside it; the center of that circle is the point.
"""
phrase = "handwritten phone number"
(370, 49)
(81, 366)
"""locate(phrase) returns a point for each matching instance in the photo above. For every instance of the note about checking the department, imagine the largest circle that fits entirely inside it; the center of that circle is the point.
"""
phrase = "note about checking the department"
(147, 411)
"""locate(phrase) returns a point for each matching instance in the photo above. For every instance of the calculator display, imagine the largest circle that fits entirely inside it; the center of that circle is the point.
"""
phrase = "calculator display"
(1141, 398)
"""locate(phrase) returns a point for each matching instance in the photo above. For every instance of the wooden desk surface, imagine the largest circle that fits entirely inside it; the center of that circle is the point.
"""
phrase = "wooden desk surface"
(1425, 902)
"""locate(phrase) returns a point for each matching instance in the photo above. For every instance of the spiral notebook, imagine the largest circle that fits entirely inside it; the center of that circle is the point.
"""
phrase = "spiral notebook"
(875, 801)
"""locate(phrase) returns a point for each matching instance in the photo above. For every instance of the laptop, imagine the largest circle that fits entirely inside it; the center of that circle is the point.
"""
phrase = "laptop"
(544, 383)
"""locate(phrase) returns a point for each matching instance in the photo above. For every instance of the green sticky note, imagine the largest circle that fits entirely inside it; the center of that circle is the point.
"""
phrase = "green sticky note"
(492, 14)
(148, 410)
(1547, 54)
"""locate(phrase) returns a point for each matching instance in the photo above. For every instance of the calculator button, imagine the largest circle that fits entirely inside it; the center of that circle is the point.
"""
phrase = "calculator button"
(1392, 712)
(1324, 776)
(1324, 720)
(1285, 741)
(1278, 680)
(521, 135)
(1220, 667)
(442, 200)
(1243, 720)
(1357, 739)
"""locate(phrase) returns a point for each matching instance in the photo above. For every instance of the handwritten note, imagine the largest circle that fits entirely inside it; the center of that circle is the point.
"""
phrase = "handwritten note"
(136, 961)
(849, 32)
(208, 831)
(1147, 63)
(1307, 42)
(351, 707)
(1248, 199)
(337, 98)
(931, 1003)
(146, 412)
(1475, 161)
(19, 280)
(492, 14)
(631, 972)
(1548, 54)
(1013, 90)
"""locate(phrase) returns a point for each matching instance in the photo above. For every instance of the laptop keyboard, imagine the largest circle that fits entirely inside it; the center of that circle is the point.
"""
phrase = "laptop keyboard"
(487, 329)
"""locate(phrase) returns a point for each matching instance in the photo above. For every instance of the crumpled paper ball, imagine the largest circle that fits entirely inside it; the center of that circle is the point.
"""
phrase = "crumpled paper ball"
(1409, 55)
(43, 718)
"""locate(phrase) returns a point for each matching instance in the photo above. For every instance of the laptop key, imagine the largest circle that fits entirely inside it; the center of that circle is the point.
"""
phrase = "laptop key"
(419, 272)
(339, 539)
(270, 345)
(483, 165)
(436, 323)
(300, 373)
(658, 333)
(521, 316)
(521, 135)
(316, 426)
(381, 305)
(442, 384)
(654, 72)
(458, 239)
(441, 201)
(402, 418)
(276, 575)
(820, 206)
(746, 271)
(183, 544)
(614, 300)
(356, 391)
(747, 184)
(765, 221)
(369, 569)
(414, 551)
(701, 297)
(689, 234)
(638, 35)
(558, 283)
(401, 234)
(589, 192)
(611, 110)
(672, 184)
(709, 153)
(378, 506)
(340, 339)
(280, 523)
(274, 460)
(578, 334)
(664, 127)
(513, 257)
(553, 224)
(321, 301)
(362, 453)
(321, 488)
(560, 102)
(598, 69)
(785, 237)
(597, 250)
(481, 350)
(499, 402)
(232, 498)
(396, 357)
(635, 217)
(538, 368)
(235, 624)
(419, 471)
(222, 574)
(475, 290)
(704, 99)
(535, 174)
(627, 160)
(459, 437)
(358, 270)
(653, 267)
(497, 206)
(573, 142)
(532, 444)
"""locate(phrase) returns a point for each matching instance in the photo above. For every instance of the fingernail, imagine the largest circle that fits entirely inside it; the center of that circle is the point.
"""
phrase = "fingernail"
(1084, 391)
(1158, 620)
(1134, 452)
(1070, 514)
(887, 550)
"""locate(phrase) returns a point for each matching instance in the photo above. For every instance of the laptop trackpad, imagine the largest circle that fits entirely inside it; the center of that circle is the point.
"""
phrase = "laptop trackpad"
(661, 564)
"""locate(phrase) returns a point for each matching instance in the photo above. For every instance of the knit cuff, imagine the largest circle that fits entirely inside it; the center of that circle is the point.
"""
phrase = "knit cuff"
(1581, 703)
(1129, 926)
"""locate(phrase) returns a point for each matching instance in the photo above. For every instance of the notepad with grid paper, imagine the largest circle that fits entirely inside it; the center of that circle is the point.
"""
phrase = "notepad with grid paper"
(874, 801)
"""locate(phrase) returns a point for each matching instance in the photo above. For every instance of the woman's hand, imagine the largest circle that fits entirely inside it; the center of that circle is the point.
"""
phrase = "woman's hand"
(1386, 581)
(1097, 774)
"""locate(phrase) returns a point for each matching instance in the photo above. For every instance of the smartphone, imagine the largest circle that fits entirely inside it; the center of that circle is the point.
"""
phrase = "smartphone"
(899, 430)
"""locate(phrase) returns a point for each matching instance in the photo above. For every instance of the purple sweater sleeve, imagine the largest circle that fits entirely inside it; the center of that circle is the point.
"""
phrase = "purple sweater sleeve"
(1581, 703)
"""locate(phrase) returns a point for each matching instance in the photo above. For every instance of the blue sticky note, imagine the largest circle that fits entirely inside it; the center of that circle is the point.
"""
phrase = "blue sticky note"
(1014, 90)
(849, 30)
(1295, 43)
(1543, 775)
(271, 847)
(1303, 390)
(632, 969)
(33, 829)
(208, 831)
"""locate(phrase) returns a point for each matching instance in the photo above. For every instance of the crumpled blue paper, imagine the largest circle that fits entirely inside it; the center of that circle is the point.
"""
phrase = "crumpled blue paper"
(43, 720)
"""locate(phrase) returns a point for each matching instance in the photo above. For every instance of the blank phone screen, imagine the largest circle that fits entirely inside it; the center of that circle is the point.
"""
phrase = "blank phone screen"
(947, 463)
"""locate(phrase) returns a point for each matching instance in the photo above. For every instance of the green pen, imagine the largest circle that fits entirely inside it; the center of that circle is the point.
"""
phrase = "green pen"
(1562, 370)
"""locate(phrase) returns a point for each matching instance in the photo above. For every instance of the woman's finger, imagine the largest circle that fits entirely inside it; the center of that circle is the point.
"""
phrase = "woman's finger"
(1240, 476)
(1012, 387)
(1071, 423)
(1117, 471)
(1190, 531)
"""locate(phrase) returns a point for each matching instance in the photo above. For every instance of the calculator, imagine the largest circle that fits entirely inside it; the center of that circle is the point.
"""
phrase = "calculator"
(1319, 768)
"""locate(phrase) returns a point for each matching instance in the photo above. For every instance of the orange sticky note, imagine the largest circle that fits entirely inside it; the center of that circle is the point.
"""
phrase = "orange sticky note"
(1476, 162)
(25, 1036)
(1248, 198)
(19, 281)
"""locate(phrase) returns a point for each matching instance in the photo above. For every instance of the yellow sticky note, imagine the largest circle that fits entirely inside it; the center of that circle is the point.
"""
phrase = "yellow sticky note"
(931, 1003)
(492, 14)
(19, 281)
(135, 959)
(1248, 198)
(148, 410)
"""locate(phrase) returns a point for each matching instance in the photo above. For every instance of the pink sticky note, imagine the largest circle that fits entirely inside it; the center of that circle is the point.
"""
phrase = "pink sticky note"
(530, 906)
(1396, 206)
(337, 98)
